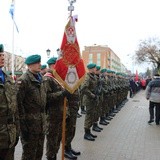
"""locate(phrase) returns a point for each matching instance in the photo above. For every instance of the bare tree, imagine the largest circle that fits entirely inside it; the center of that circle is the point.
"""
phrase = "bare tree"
(149, 51)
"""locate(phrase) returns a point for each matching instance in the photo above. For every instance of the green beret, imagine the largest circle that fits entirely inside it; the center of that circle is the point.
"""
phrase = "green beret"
(1, 48)
(91, 65)
(117, 73)
(44, 66)
(103, 70)
(52, 60)
(109, 71)
(33, 59)
(98, 68)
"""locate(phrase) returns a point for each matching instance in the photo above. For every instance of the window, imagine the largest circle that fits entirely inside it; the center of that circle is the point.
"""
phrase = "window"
(98, 59)
(90, 58)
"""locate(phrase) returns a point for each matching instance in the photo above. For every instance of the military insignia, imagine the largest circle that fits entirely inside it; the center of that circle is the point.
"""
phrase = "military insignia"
(71, 77)
(70, 33)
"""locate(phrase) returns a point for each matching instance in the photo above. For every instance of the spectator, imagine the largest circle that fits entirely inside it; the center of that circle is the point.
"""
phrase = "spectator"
(153, 95)
(143, 83)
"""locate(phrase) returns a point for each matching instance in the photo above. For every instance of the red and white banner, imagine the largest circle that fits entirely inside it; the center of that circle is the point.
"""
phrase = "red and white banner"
(69, 69)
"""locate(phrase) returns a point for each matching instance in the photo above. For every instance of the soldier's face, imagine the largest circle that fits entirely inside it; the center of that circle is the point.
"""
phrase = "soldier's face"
(97, 72)
(35, 68)
(1, 59)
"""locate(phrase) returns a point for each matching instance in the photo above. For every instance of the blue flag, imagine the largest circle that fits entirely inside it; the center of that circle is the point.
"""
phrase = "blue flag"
(11, 11)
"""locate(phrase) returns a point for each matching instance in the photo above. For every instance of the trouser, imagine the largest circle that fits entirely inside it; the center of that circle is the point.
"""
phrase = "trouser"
(98, 110)
(53, 132)
(70, 126)
(89, 117)
(157, 111)
(151, 110)
(7, 154)
(32, 145)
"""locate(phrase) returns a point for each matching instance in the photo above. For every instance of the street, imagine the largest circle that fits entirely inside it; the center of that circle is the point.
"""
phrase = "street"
(127, 137)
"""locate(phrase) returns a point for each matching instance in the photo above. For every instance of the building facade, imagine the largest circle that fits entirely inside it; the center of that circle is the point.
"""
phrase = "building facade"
(19, 63)
(103, 56)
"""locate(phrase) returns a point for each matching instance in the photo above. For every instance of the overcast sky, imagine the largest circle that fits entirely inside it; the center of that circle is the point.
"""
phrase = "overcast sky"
(120, 24)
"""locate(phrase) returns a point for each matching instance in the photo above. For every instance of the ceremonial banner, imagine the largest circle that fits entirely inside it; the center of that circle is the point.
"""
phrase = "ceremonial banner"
(69, 69)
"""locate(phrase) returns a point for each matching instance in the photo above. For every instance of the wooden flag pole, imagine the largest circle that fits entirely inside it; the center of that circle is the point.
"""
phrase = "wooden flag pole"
(64, 127)
(70, 8)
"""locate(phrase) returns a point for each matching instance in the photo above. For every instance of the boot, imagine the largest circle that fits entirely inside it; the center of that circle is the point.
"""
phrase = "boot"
(52, 158)
(103, 122)
(79, 115)
(76, 153)
(93, 135)
(99, 127)
(111, 114)
(95, 128)
(150, 121)
(108, 118)
(83, 111)
(115, 110)
(68, 154)
(88, 135)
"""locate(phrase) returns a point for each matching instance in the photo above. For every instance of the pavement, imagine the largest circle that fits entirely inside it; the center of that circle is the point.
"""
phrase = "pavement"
(127, 137)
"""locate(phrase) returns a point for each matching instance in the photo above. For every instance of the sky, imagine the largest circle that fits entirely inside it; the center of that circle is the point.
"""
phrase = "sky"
(120, 24)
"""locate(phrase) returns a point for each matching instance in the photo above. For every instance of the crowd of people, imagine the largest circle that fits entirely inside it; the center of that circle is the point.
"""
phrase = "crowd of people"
(32, 108)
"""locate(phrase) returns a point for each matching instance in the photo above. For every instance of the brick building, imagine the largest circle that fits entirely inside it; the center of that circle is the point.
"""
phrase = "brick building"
(103, 56)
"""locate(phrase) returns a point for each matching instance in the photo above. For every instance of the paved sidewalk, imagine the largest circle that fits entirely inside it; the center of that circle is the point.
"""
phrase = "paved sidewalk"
(127, 137)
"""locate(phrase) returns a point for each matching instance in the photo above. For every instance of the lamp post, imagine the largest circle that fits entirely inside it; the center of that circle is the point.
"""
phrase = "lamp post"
(48, 51)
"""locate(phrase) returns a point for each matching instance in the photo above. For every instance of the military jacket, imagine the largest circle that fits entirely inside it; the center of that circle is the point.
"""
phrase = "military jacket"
(106, 85)
(55, 98)
(88, 88)
(8, 111)
(31, 99)
(89, 84)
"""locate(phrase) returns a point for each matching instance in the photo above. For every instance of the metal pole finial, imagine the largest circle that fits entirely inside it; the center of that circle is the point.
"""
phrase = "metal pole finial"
(71, 7)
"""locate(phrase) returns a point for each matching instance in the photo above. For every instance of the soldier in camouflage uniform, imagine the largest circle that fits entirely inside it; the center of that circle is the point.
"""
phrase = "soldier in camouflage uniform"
(110, 96)
(43, 69)
(54, 112)
(8, 113)
(98, 109)
(72, 110)
(88, 89)
(31, 105)
(106, 91)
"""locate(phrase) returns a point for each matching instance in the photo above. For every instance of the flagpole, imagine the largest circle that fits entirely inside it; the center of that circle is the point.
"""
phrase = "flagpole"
(13, 3)
(70, 8)
(13, 51)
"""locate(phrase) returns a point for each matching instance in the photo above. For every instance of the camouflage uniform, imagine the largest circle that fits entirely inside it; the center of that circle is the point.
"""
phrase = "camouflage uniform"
(54, 115)
(31, 104)
(98, 108)
(8, 115)
(106, 89)
(73, 107)
(88, 88)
